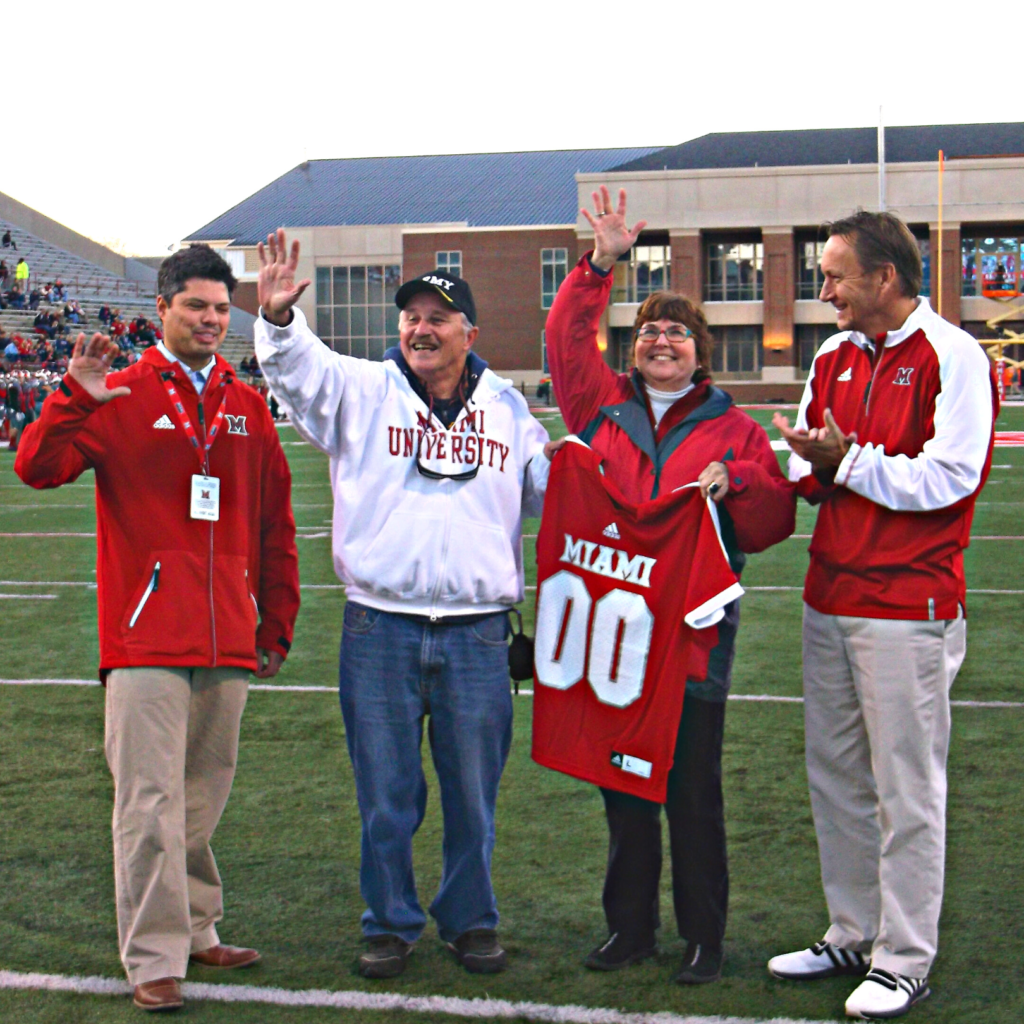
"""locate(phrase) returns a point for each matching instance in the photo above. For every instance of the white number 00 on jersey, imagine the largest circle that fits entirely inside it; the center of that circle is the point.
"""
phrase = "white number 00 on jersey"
(618, 637)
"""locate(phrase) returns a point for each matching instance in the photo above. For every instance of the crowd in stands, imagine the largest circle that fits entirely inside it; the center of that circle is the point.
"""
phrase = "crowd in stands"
(16, 292)
(49, 344)
(22, 393)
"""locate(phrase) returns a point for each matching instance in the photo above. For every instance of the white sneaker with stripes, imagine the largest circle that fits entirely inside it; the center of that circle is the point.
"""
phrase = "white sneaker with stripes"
(822, 960)
(883, 994)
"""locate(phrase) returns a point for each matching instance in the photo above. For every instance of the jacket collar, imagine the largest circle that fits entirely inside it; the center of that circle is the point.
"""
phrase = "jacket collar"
(487, 383)
(222, 372)
(918, 320)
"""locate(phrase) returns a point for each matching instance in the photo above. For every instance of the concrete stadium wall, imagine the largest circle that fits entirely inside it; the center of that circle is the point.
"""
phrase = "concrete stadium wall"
(57, 234)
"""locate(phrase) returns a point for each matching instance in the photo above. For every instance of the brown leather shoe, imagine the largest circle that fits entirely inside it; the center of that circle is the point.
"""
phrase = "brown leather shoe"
(162, 994)
(225, 956)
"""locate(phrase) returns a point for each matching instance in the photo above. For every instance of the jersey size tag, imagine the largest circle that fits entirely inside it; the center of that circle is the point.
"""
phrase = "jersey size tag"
(205, 497)
(635, 765)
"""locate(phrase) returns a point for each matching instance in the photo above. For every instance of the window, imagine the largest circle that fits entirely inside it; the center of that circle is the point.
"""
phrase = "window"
(621, 348)
(554, 266)
(925, 245)
(544, 352)
(734, 271)
(809, 338)
(999, 262)
(646, 269)
(808, 268)
(450, 260)
(355, 309)
(737, 349)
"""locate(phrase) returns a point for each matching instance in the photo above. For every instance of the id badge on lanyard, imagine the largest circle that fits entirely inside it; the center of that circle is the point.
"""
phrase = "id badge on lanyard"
(205, 500)
(205, 497)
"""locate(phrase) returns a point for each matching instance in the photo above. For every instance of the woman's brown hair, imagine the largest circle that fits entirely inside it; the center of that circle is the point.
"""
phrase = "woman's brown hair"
(672, 306)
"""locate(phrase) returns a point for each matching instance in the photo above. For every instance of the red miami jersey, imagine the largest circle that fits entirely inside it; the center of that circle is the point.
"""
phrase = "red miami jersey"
(624, 594)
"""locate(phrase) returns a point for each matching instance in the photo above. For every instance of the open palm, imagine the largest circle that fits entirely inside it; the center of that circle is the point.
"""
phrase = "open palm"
(90, 363)
(612, 235)
(277, 289)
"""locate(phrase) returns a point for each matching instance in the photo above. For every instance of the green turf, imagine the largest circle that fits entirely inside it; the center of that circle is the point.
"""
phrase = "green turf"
(288, 844)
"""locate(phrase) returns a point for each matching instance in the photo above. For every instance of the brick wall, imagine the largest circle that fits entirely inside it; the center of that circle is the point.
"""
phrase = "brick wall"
(503, 269)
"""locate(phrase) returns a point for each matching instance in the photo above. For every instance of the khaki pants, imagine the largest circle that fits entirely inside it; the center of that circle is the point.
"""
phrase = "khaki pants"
(171, 744)
(876, 695)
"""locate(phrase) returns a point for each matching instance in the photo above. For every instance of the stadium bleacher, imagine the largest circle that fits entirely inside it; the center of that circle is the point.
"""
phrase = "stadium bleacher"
(92, 285)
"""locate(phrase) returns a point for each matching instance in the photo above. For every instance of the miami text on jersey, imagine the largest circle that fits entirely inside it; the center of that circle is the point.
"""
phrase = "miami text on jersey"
(610, 562)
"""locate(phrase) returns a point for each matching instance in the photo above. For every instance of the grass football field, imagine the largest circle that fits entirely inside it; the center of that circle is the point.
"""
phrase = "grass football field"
(288, 846)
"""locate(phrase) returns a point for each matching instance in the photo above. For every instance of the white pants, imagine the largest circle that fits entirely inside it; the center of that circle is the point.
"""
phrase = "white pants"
(171, 744)
(876, 707)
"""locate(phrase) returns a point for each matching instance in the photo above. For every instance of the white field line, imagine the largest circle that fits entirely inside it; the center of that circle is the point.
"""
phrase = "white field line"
(341, 586)
(766, 698)
(47, 534)
(28, 597)
(475, 1009)
(92, 584)
(755, 589)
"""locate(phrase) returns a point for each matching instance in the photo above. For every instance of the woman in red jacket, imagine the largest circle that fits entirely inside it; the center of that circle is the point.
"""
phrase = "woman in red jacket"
(659, 427)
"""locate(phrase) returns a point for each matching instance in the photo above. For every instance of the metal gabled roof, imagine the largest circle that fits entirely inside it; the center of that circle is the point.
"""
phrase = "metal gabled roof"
(480, 189)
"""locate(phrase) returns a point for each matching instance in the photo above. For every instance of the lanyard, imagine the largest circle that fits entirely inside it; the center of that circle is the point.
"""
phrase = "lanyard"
(186, 424)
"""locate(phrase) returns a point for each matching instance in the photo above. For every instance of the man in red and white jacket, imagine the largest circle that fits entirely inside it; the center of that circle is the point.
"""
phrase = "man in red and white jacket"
(894, 441)
(198, 586)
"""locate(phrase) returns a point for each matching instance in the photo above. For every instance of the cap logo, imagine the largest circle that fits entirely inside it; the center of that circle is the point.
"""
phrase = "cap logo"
(438, 282)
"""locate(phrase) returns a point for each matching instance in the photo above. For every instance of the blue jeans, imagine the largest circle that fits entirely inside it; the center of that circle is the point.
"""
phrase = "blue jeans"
(394, 671)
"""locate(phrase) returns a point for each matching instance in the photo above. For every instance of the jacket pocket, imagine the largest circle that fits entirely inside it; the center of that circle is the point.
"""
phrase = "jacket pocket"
(234, 607)
(168, 613)
(481, 565)
(403, 560)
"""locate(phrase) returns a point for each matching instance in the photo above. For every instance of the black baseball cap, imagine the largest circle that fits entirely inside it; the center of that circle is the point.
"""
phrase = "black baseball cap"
(452, 289)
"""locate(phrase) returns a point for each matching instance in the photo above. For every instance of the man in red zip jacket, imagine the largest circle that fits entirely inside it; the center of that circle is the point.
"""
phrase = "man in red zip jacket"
(893, 441)
(198, 586)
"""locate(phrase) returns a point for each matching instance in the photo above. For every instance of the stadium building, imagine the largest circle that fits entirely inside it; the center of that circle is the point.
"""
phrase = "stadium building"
(734, 220)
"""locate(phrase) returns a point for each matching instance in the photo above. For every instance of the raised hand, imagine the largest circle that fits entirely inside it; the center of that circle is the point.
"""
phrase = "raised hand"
(277, 289)
(90, 363)
(611, 235)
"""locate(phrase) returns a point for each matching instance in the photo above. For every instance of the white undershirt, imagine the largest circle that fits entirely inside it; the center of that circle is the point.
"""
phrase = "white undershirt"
(662, 401)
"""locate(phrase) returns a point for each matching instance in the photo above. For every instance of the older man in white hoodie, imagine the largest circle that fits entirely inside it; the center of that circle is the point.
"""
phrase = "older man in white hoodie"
(434, 461)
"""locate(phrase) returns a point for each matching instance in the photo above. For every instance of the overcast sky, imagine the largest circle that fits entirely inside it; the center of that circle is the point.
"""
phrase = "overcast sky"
(140, 123)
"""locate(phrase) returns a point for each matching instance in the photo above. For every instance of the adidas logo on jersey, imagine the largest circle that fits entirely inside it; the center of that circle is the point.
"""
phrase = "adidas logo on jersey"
(164, 423)
(847, 374)
(611, 530)
(604, 561)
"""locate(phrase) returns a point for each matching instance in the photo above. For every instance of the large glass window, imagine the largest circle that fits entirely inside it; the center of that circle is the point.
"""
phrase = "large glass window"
(734, 271)
(450, 260)
(737, 349)
(808, 268)
(554, 266)
(925, 245)
(355, 309)
(991, 266)
(809, 338)
(644, 270)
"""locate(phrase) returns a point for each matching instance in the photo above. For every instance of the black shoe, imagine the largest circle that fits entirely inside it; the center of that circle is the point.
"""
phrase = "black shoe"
(701, 964)
(385, 958)
(617, 952)
(479, 951)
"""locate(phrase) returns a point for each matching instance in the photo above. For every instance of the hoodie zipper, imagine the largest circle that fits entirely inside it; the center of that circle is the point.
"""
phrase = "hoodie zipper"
(154, 583)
